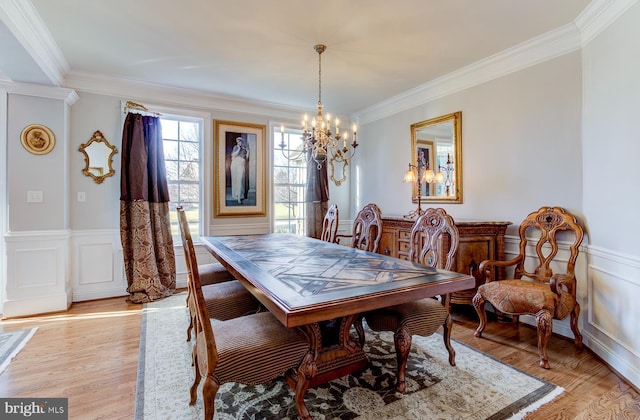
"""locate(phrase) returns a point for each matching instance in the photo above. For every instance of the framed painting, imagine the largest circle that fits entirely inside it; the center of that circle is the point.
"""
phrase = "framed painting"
(425, 157)
(240, 157)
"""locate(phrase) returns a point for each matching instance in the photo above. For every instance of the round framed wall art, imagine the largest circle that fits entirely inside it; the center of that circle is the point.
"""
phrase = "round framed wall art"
(37, 139)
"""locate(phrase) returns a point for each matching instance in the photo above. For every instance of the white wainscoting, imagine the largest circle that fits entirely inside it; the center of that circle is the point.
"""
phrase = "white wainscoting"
(38, 278)
(612, 312)
(97, 265)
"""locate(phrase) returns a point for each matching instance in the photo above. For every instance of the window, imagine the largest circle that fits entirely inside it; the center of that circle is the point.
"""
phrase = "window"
(289, 183)
(182, 143)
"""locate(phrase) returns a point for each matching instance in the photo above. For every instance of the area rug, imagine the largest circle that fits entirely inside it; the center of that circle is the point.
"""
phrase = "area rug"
(479, 387)
(11, 343)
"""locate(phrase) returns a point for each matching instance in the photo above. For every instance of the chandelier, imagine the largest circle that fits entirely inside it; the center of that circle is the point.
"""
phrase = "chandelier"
(319, 142)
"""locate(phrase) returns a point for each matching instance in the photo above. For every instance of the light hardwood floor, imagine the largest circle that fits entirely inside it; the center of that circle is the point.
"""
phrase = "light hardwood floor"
(89, 354)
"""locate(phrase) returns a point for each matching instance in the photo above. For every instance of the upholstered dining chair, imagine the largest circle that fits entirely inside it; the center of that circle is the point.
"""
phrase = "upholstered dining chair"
(225, 298)
(433, 242)
(534, 289)
(367, 229)
(330, 224)
(251, 350)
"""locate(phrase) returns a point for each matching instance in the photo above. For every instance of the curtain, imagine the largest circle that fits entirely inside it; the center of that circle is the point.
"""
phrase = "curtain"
(317, 197)
(145, 227)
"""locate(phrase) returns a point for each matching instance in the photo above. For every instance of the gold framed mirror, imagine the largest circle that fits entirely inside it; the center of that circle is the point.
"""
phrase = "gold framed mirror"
(98, 157)
(436, 154)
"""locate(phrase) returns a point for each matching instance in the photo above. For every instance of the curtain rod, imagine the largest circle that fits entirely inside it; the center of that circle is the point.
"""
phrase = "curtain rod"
(130, 105)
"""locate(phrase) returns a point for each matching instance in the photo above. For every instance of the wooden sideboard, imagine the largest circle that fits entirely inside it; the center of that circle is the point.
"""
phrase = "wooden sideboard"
(479, 240)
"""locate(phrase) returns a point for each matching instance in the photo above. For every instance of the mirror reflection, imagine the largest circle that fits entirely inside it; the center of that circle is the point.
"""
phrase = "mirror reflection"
(98, 156)
(436, 149)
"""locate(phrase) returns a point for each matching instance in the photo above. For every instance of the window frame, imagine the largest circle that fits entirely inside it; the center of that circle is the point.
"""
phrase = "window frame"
(275, 141)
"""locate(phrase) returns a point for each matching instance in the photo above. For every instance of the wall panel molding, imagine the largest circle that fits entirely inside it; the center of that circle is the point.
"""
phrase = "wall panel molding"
(97, 265)
(37, 272)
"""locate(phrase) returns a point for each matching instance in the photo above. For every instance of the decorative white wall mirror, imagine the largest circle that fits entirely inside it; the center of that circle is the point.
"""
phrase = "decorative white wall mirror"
(98, 156)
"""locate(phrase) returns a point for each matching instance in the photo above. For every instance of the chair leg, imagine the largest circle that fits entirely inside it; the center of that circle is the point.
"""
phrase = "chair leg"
(402, 339)
(544, 319)
(193, 391)
(478, 304)
(209, 391)
(446, 336)
(574, 327)
(359, 329)
(189, 328)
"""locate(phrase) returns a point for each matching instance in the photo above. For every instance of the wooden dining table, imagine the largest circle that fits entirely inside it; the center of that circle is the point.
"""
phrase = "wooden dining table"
(321, 288)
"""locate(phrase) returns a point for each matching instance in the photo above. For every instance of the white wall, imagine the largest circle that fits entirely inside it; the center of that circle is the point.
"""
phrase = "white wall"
(521, 146)
(611, 146)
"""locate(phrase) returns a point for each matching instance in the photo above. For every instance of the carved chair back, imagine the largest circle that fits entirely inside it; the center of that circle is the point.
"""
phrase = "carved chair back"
(434, 239)
(540, 230)
(367, 228)
(330, 224)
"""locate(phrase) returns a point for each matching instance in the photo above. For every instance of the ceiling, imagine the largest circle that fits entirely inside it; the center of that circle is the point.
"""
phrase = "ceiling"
(263, 50)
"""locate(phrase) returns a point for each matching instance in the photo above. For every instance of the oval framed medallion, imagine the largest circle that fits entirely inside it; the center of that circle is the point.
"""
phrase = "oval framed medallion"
(37, 139)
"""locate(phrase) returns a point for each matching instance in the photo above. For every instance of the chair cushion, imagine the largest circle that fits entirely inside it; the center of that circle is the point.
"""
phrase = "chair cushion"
(228, 300)
(213, 273)
(518, 296)
(256, 348)
(422, 317)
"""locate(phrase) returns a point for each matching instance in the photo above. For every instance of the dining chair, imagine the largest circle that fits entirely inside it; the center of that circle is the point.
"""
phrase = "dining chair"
(434, 241)
(225, 299)
(534, 289)
(330, 224)
(367, 229)
(251, 350)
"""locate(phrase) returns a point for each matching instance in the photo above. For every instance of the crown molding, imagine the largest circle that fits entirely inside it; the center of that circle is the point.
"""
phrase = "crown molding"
(25, 23)
(545, 47)
(174, 96)
(598, 15)
(69, 96)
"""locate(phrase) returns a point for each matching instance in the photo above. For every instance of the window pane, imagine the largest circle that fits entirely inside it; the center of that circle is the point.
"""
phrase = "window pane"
(172, 170)
(189, 151)
(169, 129)
(189, 193)
(189, 131)
(189, 171)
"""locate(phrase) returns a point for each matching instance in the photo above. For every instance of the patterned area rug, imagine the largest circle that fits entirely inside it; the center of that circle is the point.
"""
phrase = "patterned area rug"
(479, 387)
(11, 343)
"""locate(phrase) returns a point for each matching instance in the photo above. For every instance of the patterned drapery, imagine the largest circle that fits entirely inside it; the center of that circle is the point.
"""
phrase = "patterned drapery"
(317, 198)
(145, 227)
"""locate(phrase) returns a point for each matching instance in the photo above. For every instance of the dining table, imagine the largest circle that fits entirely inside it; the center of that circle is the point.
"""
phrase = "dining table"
(322, 287)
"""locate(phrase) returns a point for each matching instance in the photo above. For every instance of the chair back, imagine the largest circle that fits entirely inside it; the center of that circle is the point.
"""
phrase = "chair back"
(540, 230)
(433, 233)
(205, 341)
(330, 224)
(367, 228)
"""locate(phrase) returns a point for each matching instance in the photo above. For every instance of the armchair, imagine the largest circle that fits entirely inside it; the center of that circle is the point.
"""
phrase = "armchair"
(539, 291)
